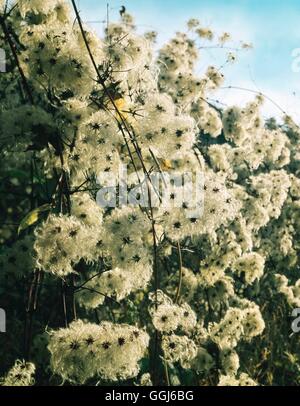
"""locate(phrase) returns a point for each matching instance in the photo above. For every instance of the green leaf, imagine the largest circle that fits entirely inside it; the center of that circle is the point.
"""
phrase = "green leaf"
(32, 217)
(16, 173)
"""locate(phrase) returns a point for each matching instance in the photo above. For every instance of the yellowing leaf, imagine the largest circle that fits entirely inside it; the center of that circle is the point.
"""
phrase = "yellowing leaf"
(32, 217)
(120, 104)
(166, 164)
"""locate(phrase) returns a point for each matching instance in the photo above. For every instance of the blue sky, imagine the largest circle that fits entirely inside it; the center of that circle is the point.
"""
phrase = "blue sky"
(271, 25)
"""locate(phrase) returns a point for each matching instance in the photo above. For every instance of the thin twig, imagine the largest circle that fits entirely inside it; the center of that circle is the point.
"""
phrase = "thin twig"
(167, 373)
(100, 293)
(15, 55)
(180, 273)
(255, 92)
(88, 280)
(64, 303)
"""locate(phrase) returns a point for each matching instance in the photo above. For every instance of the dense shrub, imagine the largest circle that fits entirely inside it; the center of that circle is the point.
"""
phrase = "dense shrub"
(147, 293)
